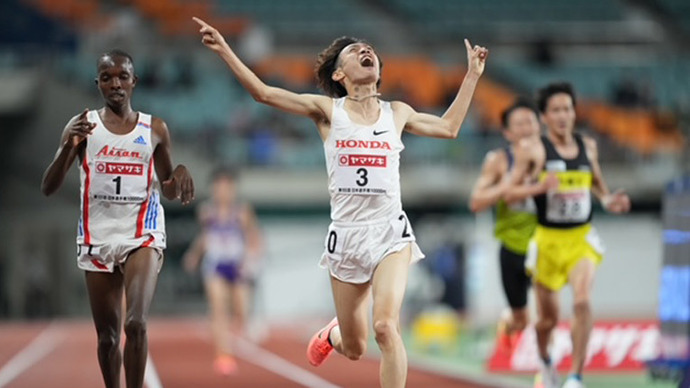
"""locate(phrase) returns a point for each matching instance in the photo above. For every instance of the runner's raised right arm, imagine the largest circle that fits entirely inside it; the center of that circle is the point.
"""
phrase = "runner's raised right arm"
(314, 106)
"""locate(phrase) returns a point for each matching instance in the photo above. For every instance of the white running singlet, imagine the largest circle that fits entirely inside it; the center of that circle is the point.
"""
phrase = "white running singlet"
(364, 183)
(362, 163)
(120, 200)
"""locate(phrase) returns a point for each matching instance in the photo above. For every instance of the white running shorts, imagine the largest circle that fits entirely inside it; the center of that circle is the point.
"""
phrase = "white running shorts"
(105, 257)
(354, 250)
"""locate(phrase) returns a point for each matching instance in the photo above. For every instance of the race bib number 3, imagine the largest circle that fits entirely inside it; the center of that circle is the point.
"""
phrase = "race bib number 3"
(362, 174)
(119, 182)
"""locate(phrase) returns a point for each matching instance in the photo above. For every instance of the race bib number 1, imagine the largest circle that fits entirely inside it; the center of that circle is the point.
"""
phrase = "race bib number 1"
(119, 182)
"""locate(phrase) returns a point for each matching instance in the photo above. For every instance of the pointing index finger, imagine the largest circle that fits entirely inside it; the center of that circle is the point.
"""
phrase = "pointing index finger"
(467, 44)
(200, 22)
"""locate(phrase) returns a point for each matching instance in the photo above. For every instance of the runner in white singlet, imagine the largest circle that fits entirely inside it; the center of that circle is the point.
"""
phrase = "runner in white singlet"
(370, 243)
(364, 185)
(118, 182)
(121, 233)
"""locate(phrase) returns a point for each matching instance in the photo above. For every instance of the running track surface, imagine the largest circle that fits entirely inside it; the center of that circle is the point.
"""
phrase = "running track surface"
(62, 354)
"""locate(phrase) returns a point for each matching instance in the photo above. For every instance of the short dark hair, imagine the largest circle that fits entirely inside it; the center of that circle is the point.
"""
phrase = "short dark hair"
(545, 93)
(327, 62)
(116, 53)
(224, 172)
(521, 102)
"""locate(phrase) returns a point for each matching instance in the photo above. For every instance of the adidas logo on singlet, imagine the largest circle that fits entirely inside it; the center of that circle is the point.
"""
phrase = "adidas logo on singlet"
(140, 140)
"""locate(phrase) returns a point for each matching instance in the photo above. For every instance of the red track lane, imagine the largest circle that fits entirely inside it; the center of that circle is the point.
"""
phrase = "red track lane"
(184, 359)
(70, 363)
(362, 373)
(183, 356)
(16, 336)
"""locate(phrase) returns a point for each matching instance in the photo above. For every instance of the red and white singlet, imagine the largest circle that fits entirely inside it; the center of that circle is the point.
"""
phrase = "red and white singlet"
(120, 200)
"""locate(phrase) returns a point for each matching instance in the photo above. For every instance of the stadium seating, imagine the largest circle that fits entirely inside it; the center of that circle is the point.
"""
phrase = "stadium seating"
(678, 10)
(444, 18)
(303, 21)
(425, 82)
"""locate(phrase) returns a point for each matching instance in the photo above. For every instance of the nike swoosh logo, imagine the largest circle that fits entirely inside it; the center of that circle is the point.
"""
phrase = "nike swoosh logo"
(379, 133)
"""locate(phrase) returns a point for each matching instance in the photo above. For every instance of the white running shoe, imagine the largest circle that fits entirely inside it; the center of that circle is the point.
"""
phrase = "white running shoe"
(547, 377)
(572, 382)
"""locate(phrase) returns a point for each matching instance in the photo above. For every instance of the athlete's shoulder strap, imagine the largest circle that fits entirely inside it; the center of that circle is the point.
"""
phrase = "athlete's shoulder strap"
(92, 116)
(580, 141)
(550, 149)
(339, 115)
(339, 102)
(144, 120)
(582, 150)
(386, 105)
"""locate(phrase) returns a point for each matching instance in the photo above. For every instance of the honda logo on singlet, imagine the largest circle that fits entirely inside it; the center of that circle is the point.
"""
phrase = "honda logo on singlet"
(368, 144)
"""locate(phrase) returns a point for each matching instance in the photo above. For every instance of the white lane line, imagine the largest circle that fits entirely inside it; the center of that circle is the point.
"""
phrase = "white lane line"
(40, 347)
(151, 378)
(271, 362)
(430, 366)
(267, 360)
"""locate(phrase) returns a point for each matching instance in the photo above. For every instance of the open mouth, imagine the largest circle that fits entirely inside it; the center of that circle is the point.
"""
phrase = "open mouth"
(367, 61)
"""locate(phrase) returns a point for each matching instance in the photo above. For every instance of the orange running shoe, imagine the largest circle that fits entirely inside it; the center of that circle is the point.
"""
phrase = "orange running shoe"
(503, 340)
(504, 343)
(225, 365)
(319, 347)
